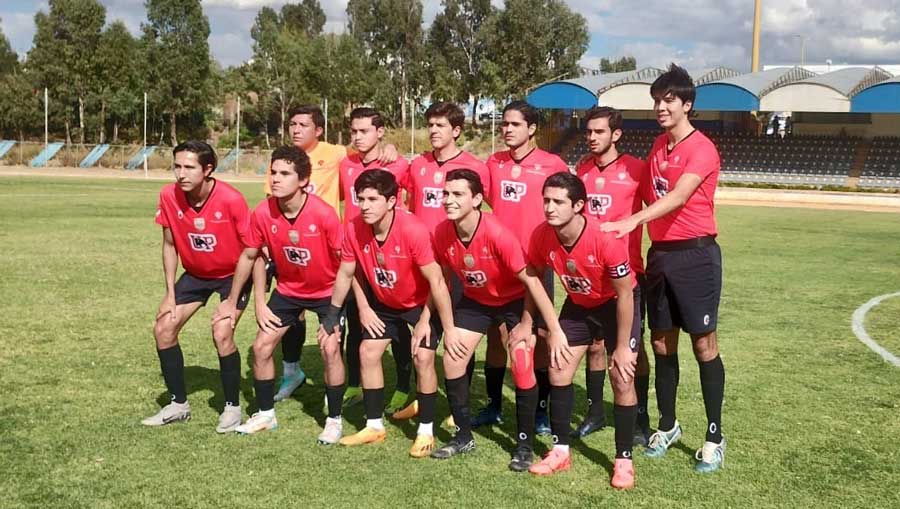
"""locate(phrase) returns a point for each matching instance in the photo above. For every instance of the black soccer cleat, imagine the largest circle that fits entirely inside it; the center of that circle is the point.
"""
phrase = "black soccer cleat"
(454, 447)
(589, 425)
(522, 459)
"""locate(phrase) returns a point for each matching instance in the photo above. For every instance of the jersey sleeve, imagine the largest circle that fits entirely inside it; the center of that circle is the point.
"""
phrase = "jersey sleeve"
(703, 162)
(255, 231)
(615, 256)
(240, 214)
(440, 245)
(421, 246)
(334, 232)
(511, 253)
(536, 257)
(485, 176)
(161, 218)
(347, 253)
(560, 165)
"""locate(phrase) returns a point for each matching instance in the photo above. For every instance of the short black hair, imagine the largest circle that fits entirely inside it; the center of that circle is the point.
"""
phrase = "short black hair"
(612, 115)
(296, 157)
(366, 112)
(309, 109)
(675, 81)
(451, 111)
(380, 180)
(531, 115)
(206, 155)
(469, 176)
(572, 184)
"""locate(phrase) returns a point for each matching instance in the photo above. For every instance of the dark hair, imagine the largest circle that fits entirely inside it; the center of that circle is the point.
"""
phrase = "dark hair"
(453, 113)
(309, 109)
(572, 184)
(529, 112)
(365, 112)
(675, 81)
(380, 180)
(296, 157)
(206, 155)
(612, 115)
(469, 176)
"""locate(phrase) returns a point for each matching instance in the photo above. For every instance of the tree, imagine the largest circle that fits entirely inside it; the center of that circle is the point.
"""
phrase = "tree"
(118, 78)
(9, 60)
(20, 104)
(621, 65)
(176, 49)
(306, 17)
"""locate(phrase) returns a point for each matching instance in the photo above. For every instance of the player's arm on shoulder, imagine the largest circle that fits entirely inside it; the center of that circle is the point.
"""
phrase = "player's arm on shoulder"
(673, 200)
(170, 267)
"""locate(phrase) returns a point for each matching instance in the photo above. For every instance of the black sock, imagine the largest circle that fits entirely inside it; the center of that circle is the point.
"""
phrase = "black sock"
(526, 405)
(265, 394)
(594, 382)
(562, 398)
(427, 407)
(666, 389)
(335, 395)
(493, 381)
(642, 387)
(171, 361)
(625, 417)
(230, 371)
(543, 385)
(292, 342)
(352, 342)
(712, 383)
(403, 359)
(470, 370)
(373, 400)
(458, 398)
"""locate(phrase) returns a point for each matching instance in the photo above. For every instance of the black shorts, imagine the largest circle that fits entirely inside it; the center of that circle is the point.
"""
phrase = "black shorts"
(582, 325)
(190, 288)
(476, 317)
(288, 309)
(684, 285)
(395, 319)
(642, 284)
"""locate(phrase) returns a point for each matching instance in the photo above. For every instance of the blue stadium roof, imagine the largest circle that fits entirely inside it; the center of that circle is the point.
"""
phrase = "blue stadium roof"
(882, 97)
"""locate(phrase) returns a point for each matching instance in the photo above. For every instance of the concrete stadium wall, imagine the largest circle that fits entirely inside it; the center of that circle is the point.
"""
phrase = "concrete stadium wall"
(805, 97)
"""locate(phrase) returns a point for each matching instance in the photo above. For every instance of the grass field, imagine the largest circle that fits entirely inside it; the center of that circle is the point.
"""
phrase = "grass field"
(811, 415)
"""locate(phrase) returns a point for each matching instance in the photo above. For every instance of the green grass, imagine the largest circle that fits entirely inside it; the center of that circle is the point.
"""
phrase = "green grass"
(811, 414)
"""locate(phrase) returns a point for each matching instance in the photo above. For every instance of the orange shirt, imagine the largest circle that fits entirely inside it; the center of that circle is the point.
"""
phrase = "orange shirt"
(324, 181)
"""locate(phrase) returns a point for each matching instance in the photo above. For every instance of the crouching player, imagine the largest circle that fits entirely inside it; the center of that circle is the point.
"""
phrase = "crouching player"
(394, 253)
(601, 303)
(490, 262)
(303, 236)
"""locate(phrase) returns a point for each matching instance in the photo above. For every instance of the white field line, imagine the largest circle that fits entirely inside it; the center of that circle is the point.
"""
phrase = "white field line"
(859, 316)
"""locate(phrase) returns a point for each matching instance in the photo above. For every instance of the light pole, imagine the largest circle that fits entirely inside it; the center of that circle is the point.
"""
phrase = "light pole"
(802, 48)
(754, 64)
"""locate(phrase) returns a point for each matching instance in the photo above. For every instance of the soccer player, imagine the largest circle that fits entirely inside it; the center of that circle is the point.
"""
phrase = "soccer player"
(612, 180)
(303, 236)
(392, 251)
(602, 302)
(202, 221)
(517, 175)
(490, 262)
(366, 135)
(684, 263)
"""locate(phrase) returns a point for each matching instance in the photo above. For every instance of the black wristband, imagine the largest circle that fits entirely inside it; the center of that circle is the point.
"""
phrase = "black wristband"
(331, 319)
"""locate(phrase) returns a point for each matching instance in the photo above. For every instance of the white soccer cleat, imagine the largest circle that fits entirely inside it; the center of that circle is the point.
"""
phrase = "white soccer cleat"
(332, 433)
(173, 412)
(258, 422)
(229, 419)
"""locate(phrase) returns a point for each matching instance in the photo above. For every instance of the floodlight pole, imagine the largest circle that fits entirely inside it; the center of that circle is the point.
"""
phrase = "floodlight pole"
(326, 119)
(493, 127)
(237, 138)
(144, 149)
(757, 9)
(46, 118)
(412, 129)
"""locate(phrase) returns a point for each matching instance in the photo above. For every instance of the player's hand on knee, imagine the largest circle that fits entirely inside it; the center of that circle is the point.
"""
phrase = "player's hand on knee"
(266, 319)
(167, 306)
(370, 322)
(624, 362)
(560, 353)
(453, 344)
(226, 310)
(521, 333)
(421, 332)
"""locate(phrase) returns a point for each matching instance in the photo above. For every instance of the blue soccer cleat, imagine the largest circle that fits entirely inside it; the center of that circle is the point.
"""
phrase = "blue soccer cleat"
(289, 384)
(487, 416)
(662, 440)
(710, 457)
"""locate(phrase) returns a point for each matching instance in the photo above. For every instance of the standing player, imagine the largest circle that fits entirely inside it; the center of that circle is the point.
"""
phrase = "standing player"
(393, 252)
(490, 262)
(366, 134)
(612, 181)
(303, 237)
(602, 302)
(517, 175)
(203, 221)
(684, 263)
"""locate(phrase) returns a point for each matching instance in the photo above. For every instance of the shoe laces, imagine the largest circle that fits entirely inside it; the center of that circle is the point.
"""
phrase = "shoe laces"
(711, 452)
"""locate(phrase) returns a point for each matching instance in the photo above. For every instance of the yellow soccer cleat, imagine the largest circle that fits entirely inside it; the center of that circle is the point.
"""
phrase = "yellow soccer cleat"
(449, 423)
(365, 436)
(422, 447)
(407, 413)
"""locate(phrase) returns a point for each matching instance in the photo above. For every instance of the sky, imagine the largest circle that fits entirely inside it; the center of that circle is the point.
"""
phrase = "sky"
(694, 33)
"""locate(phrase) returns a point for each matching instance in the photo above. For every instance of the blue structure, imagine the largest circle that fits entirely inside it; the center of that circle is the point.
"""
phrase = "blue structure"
(45, 155)
(138, 158)
(229, 160)
(93, 156)
(742, 93)
(562, 95)
(883, 97)
(5, 146)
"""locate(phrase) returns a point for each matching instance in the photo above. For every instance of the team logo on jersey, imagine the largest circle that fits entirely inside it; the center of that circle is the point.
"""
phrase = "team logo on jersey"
(474, 278)
(452, 251)
(592, 259)
(469, 260)
(677, 158)
(571, 266)
(598, 204)
(422, 171)
(218, 215)
(385, 278)
(297, 255)
(432, 197)
(294, 235)
(599, 182)
(516, 171)
(552, 255)
(321, 162)
(620, 270)
(663, 165)
(199, 223)
(397, 249)
(577, 284)
(622, 175)
(512, 191)
(274, 229)
(204, 242)
(537, 168)
(180, 215)
(379, 257)
(660, 186)
(366, 249)
(438, 177)
(312, 228)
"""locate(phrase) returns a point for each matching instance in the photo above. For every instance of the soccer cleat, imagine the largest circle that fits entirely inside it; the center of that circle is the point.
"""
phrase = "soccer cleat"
(352, 396)
(542, 424)
(423, 446)
(590, 424)
(258, 422)
(173, 412)
(641, 436)
(407, 413)
(710, 457)
(661, 441)
(487, 416)
(554, 461)
(289, 384)
(397, 402)
(229, 419)
(449, 423)
(522, 459)
(332, 432)
(623, 474)
(453, 447)
(365, 436)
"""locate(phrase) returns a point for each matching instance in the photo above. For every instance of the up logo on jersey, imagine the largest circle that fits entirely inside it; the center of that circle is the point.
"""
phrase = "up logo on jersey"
(576, 284)
(297, 255)
(204, 242)
(474, 278)
(598, 204)
(432, 197)
(511, 190)
(385, 278)
(660, 186)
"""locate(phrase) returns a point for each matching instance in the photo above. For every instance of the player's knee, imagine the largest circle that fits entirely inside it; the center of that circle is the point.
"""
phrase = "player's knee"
(705, 346)
(523, 368)
(165, 333)
(332, 351)
(369, 353)
(262, 349)
(424, 360)
(223, 335)
(618, 383)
